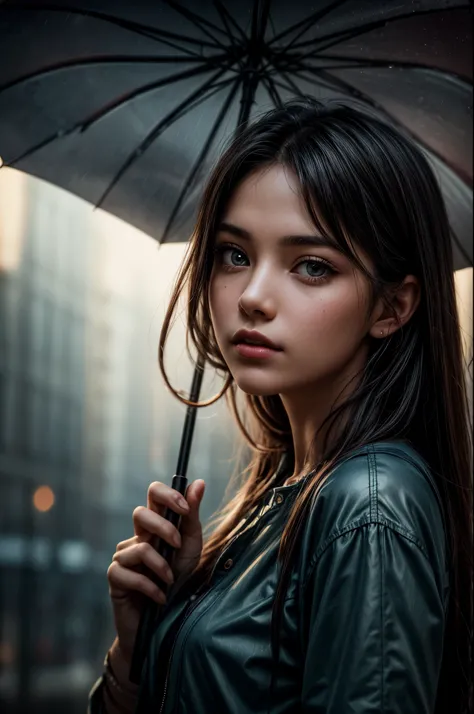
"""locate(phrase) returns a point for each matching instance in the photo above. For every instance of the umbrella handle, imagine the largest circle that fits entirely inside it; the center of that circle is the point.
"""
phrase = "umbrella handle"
(152, 610)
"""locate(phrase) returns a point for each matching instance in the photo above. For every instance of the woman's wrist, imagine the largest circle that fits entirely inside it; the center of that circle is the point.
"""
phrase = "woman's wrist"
(122, 693)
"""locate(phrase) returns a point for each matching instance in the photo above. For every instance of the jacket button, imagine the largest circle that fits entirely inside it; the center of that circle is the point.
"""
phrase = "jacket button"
(228, 564)
(279, 498)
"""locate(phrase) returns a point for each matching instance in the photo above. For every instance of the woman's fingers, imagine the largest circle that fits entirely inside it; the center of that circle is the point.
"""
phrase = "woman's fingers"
(144, 554)
(123, 573)
(190, 523)
(137, 567)
(131, 541)
(160, 496)
(123, 580)
(148, 523)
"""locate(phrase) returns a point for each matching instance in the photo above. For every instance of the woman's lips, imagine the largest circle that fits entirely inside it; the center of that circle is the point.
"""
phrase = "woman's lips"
(255, 351)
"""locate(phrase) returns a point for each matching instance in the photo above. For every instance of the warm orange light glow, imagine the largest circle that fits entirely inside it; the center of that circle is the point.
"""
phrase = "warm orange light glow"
(43, 498)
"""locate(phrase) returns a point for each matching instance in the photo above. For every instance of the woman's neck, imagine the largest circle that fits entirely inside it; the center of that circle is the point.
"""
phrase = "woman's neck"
(307, 412)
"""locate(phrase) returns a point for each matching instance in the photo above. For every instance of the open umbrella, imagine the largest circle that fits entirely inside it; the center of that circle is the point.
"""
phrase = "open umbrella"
(127, 104)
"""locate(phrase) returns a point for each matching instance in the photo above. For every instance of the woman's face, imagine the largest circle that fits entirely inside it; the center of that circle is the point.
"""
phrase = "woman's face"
(303, 295)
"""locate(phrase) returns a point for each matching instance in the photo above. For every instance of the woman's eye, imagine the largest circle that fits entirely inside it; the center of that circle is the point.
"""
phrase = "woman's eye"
(314, 269)
(232, 257)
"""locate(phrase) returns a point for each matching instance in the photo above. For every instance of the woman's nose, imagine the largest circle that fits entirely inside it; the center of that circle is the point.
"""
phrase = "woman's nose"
(259, 297)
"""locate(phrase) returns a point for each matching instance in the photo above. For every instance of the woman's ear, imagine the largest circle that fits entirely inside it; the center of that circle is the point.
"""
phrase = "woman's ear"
(404, 301)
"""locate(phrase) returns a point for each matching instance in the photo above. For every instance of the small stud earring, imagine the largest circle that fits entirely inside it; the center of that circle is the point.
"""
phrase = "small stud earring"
(381, 332)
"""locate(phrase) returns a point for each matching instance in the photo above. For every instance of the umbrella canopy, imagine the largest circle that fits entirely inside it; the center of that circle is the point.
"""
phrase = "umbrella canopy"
(128, 104)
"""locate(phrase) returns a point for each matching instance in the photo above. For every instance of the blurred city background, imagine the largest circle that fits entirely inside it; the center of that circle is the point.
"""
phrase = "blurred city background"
(85, 425)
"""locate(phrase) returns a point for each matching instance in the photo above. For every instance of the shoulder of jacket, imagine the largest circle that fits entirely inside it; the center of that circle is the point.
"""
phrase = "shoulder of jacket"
(386, 483)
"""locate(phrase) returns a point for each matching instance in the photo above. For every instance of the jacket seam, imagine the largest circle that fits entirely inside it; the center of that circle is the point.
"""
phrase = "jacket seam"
(373, 483)
(382, 630)
(356, 525)
(419, 464)
(372, 459)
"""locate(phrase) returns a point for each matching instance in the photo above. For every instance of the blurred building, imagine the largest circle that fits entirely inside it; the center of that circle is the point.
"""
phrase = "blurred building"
(84, 417)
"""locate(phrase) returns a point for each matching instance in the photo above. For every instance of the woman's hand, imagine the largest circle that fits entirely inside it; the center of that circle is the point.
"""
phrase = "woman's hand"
(127, 577)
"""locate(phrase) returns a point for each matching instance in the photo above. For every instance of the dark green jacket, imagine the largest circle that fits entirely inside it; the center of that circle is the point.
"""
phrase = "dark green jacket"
(364, 614)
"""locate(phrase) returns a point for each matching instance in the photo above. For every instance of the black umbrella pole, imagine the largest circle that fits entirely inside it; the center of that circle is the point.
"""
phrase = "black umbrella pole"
(151, 611)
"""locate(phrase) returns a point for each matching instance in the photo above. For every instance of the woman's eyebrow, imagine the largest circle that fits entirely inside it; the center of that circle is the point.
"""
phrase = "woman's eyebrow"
(314, 240)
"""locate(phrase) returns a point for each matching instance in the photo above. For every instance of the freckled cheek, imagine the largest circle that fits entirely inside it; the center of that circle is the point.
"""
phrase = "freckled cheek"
(223, 288)
(334, 322)
(222, 304)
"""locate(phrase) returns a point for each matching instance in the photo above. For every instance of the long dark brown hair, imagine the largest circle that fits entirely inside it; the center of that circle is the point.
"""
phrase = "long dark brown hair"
(363, 184)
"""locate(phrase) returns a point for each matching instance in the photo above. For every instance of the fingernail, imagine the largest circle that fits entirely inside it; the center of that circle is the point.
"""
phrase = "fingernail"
(169, 576)
(177, 539)
(182, 503)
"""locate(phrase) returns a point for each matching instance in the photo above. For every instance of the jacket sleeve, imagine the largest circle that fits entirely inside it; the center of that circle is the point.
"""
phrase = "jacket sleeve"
(96, 700)
(374, 623)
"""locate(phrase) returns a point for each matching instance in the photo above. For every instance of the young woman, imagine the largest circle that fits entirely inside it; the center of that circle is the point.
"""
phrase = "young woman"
(338, 579)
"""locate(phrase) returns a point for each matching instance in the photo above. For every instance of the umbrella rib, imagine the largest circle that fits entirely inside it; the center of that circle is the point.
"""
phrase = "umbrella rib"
(261, 15)
(340, 37)
(306, 23)
(251, 75)
(152, 33)
(205, 96)
(351, 91)
(230, 35)
(348, 34)
(158, 129)
(281, 72)
(176, 46)
(96, 117)
(225, 22)
(302, 60)
(288, 88)
(224, 12)
(272, 91)
(225, 19)
(201, 158)
(197, 21)
(312, 21)
(292, 85)
(104, 111)
(133, 59)
(361, 63)
(272, 25)
(244, 112)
